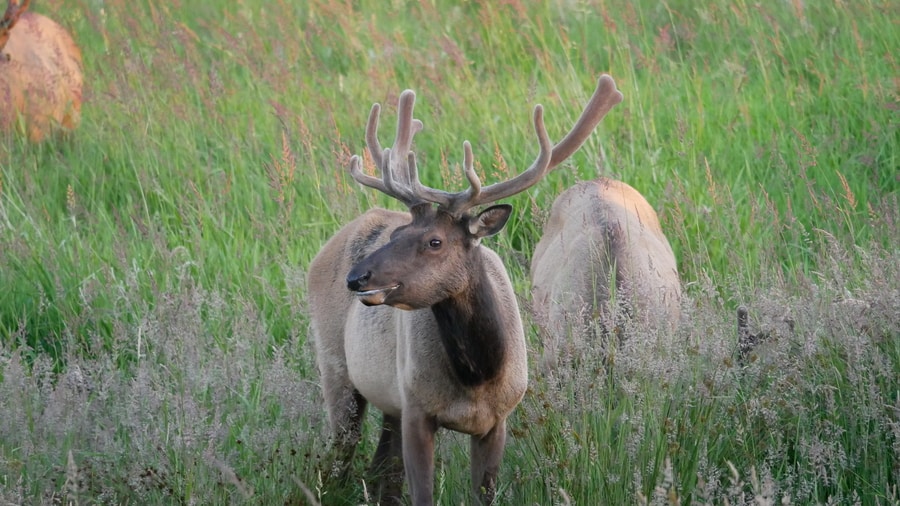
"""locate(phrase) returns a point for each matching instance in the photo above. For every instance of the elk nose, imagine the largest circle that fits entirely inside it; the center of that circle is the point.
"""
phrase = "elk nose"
(357, 281)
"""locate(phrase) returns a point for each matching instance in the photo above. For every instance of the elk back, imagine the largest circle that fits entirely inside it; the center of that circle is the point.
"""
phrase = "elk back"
(40, 77)
(601, 247)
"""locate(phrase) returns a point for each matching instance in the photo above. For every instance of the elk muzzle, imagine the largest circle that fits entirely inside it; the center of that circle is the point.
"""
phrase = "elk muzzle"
(357, 281)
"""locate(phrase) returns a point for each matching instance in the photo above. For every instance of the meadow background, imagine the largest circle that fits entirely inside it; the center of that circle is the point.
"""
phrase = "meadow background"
(153, 329)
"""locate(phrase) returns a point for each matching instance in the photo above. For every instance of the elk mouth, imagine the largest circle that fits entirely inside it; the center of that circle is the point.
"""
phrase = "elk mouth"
(375, 297)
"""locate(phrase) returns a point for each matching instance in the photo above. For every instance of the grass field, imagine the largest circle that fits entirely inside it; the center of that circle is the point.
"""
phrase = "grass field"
(153, 329)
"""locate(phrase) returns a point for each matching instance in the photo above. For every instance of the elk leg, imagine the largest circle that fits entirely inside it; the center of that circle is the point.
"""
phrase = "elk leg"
(387, 464)
(487, 452)
(418, 455)
(346, 407)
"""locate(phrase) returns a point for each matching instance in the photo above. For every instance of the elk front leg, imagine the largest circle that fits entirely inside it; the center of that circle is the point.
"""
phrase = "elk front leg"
(346, 407)
(418, 455)
(487, 452)
(387, 464)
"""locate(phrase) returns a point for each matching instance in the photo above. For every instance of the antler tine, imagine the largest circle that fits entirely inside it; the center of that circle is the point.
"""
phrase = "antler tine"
(375, 152)
(363, 178)
(406, 129)
(469, 168)
(375, 149)
(605, 97)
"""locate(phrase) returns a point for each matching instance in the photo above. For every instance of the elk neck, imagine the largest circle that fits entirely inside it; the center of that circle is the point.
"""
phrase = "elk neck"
(471, 329)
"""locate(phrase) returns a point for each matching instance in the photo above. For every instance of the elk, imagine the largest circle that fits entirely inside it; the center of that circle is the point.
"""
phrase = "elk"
(411, 313)
(602, 245)
(40, 74)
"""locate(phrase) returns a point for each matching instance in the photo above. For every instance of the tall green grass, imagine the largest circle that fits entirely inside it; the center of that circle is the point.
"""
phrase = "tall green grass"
(152, 321)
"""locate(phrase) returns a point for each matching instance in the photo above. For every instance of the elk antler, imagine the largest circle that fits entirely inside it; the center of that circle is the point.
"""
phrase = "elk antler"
(395, 182)
(404, 185)
(604, 98)
(10, 17)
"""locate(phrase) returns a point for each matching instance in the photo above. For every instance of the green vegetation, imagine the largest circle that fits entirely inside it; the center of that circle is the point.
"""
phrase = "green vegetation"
(153, 334)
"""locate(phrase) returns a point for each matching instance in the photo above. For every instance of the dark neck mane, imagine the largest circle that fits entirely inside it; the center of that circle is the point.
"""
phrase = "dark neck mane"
(470, 326)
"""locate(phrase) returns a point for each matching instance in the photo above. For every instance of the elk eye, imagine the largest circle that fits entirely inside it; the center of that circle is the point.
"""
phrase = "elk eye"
(434, 243)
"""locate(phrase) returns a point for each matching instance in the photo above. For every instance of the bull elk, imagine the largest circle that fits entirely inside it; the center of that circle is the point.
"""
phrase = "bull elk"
(40, 74)
(602, 245)
(429, 331)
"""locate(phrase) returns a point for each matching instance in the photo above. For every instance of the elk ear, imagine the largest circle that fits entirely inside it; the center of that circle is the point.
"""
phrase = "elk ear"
(490, 221)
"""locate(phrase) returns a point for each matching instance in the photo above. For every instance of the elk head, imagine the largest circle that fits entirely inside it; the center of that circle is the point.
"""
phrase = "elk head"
(427, 260)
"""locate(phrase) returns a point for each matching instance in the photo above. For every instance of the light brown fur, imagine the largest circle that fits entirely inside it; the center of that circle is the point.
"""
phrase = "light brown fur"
(602, 242)
(40, 76)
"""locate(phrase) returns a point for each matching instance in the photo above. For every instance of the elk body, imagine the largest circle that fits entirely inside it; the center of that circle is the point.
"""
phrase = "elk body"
(411, 313)
(40, 74)
(602, 244)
